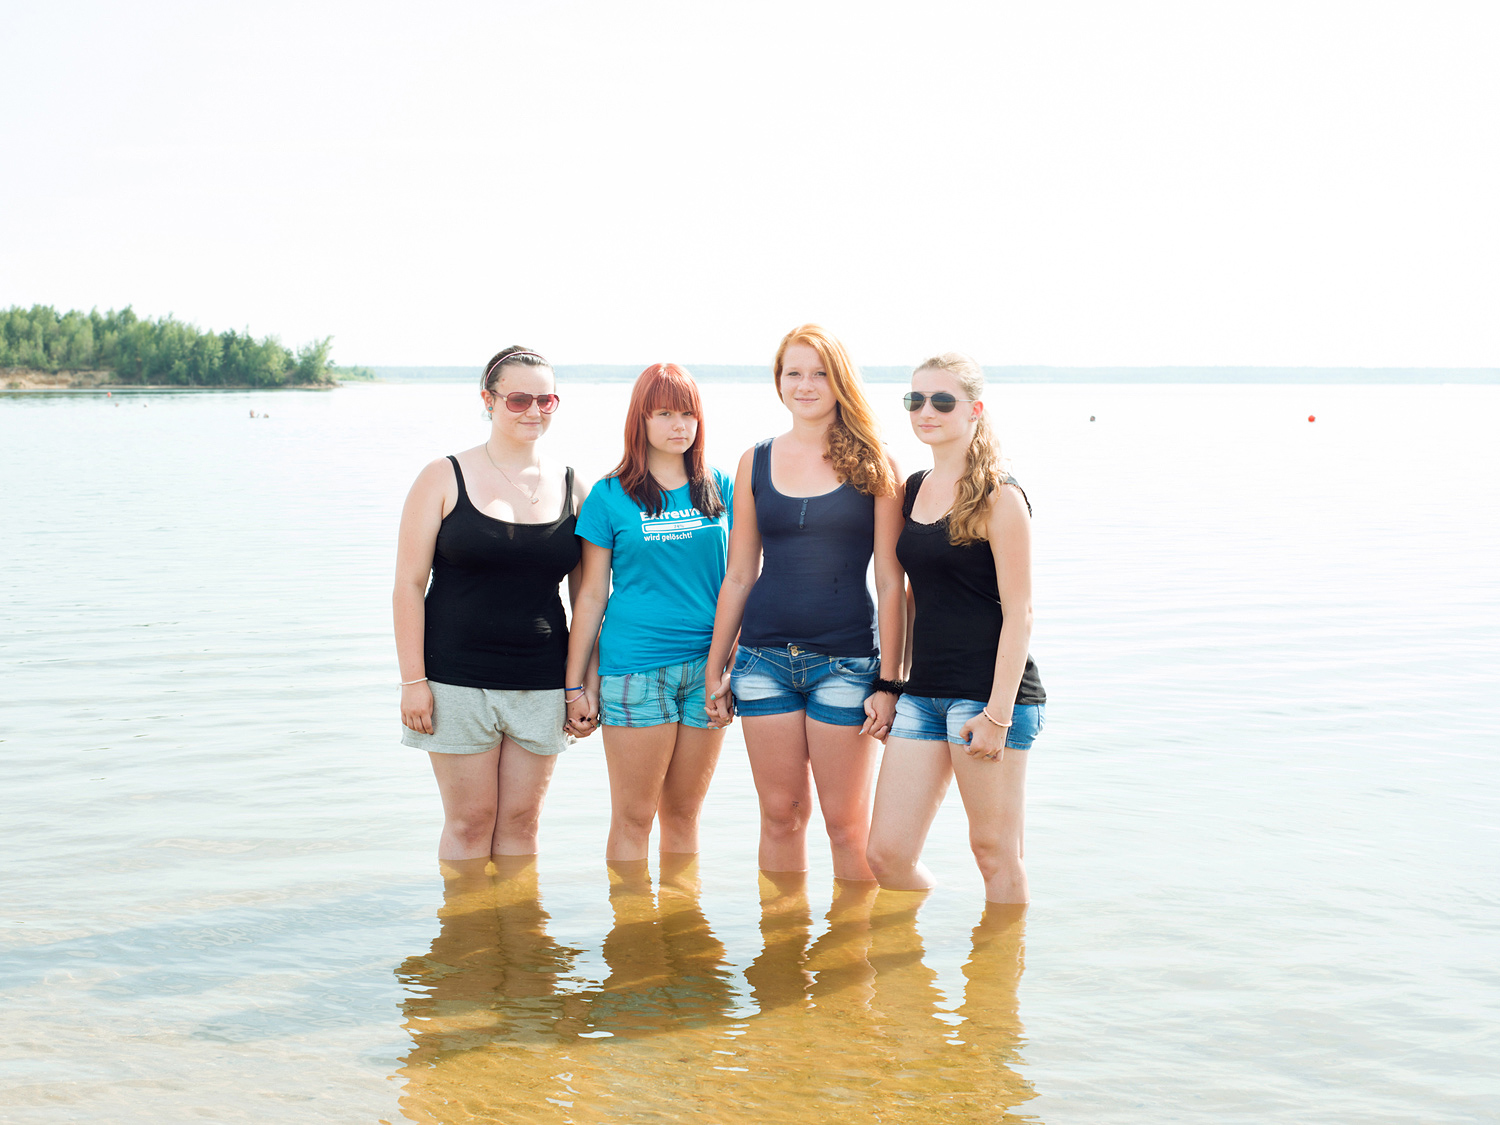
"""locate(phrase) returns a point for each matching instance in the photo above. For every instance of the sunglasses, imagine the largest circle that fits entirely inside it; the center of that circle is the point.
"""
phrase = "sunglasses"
(518, 402)
(942, 401)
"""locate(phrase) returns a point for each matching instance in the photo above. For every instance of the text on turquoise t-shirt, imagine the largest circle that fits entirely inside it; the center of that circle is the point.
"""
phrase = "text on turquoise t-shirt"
(666, 571)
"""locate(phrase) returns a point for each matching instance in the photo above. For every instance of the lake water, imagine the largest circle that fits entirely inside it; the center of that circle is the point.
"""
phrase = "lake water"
(1264, 819)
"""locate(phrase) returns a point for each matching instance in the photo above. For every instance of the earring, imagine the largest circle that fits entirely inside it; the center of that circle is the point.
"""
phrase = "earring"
(489, 415)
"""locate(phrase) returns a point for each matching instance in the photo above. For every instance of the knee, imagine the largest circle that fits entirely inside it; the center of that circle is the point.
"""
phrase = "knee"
(635, 819)
(472, 827)
(679, 811)
(851, 833)
(995, 856)
(785, 820)
(887, 859)
(518, 823)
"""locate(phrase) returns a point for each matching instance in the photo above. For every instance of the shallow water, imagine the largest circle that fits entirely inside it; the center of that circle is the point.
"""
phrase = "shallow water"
(1263, 834)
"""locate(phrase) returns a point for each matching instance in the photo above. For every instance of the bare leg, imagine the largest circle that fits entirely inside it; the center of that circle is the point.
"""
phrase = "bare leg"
(469, 787)
(843, 766)
(522, 781)
(694, 758)
(914, 777)
(994, 794)
(638, 758)
(777, 746)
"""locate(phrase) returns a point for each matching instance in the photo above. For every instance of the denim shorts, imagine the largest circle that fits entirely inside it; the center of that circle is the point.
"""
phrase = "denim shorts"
(925, 719)
(777, 681)
(672, 694)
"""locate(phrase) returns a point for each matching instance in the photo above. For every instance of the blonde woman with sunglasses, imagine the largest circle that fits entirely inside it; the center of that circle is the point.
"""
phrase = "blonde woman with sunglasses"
(483, 647)
(973, 702)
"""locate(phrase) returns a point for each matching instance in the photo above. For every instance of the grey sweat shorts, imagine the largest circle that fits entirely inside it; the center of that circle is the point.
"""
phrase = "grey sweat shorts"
(470, 720)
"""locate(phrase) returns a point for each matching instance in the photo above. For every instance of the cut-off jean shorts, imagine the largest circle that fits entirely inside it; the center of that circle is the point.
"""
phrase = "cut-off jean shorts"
(926, 719)
(777, 681)
(651, 698)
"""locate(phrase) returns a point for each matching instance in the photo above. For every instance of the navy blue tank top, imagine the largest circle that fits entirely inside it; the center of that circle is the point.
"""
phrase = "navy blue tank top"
(812, 589)
(494, 617)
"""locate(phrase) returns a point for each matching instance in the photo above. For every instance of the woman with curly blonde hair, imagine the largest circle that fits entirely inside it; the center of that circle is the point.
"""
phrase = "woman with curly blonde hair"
(974, 701)
(813, 676)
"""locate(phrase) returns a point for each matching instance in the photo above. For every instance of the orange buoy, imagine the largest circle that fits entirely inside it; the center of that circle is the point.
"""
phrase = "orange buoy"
(1312, 417)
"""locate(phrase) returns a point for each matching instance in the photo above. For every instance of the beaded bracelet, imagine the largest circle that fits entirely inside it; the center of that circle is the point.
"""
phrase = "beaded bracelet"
(985, 711)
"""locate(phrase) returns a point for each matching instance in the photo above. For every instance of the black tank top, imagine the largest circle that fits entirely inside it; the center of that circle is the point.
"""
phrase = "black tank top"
(494, 617)
(957, 629)
(812, 589)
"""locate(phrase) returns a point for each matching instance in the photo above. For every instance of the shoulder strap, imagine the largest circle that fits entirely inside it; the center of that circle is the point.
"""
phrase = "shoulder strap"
(1008, 479)
(760, 467)
(913, 486)
(568, 493)
(463, 490)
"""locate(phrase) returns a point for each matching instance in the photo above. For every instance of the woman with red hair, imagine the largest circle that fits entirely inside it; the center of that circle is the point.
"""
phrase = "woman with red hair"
(659, 524)
(815, 669)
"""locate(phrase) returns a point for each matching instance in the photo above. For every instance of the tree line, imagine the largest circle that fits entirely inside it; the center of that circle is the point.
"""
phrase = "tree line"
(162, 351)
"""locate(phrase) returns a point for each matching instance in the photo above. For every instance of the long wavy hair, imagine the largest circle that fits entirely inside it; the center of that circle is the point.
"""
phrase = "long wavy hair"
(968, 519)
(665, 386)
(854, 447)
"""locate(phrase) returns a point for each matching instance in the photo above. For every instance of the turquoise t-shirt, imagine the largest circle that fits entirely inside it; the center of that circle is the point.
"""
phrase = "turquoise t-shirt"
(666, 572)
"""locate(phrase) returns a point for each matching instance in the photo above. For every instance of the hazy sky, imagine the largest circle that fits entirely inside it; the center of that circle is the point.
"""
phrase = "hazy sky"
(1052, 183)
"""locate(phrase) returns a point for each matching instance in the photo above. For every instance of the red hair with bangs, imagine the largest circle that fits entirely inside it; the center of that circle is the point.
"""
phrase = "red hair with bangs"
(665, 386)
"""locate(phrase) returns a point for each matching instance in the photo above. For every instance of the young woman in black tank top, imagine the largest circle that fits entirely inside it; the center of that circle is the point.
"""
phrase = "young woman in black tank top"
(811, 507)
(973, 702)
(483, 647)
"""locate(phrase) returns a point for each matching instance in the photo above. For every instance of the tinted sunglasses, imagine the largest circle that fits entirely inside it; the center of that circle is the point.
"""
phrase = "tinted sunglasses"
(518, 402)
(942, 401)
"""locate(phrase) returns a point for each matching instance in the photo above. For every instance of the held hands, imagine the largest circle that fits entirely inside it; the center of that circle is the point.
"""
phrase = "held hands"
(984, 738)
(583, 714)
(880, 713)
(416, 707)
(717, 699)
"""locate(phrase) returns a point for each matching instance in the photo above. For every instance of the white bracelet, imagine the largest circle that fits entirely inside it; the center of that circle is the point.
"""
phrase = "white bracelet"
(408, 683)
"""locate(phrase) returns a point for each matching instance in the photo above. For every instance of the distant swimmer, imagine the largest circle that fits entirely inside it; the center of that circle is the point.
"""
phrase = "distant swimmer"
(483, 650)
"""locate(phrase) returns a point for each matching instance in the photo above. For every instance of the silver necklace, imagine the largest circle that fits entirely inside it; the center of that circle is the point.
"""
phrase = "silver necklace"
(532, 496)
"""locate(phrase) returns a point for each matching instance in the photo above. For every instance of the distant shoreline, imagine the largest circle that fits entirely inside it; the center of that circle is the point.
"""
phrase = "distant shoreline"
(20, 380)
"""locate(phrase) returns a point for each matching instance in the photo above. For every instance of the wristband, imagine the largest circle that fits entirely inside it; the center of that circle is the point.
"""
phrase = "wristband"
(892, 687)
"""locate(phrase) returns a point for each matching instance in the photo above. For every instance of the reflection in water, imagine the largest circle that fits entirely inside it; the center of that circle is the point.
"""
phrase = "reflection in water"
(850, 1026)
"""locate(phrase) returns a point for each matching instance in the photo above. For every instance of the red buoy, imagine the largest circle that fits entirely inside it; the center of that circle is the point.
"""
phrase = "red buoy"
(1312, 417)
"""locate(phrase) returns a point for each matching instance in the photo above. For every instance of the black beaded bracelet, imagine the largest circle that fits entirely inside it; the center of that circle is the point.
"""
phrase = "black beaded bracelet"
(894, 687)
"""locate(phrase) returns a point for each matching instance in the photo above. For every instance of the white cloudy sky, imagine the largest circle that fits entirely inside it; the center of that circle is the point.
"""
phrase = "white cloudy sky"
(1059, 183)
